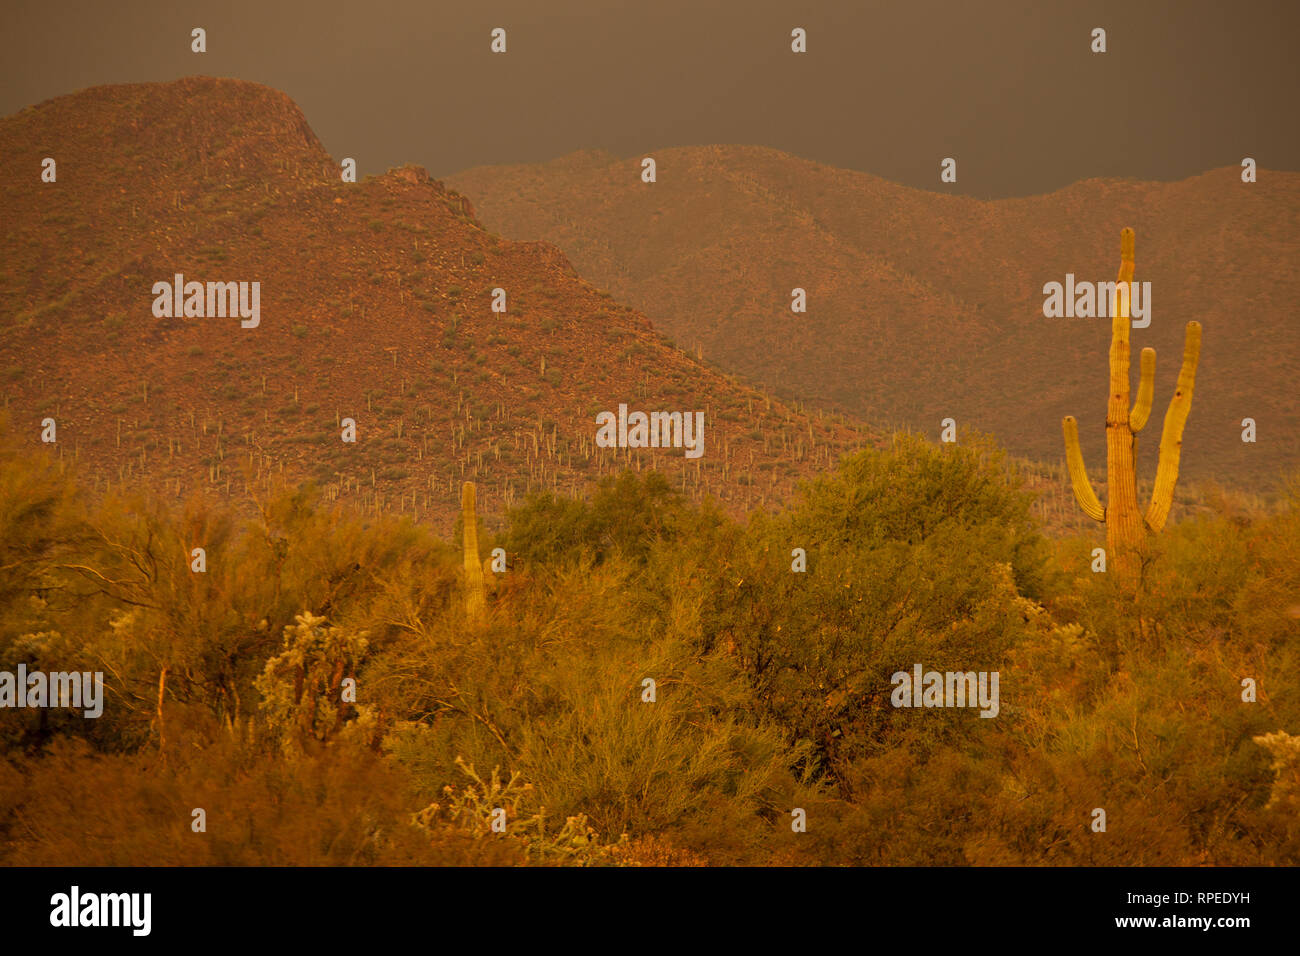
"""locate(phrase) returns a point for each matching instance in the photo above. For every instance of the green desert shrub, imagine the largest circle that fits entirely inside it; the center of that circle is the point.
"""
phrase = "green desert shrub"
(1175, 710)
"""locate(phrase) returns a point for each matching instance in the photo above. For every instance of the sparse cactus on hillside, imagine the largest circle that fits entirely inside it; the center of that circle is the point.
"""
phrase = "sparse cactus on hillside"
(1126, 528)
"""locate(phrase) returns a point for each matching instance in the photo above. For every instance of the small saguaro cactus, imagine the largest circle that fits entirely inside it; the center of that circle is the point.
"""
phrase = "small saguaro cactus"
(1126, 529)
(475, 599)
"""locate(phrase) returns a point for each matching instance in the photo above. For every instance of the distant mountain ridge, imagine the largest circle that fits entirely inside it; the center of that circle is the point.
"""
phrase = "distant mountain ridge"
(924, 306)
(375, 305)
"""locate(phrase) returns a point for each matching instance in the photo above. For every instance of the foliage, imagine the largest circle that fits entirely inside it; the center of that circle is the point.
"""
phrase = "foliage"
(625, 515)
(224, 688)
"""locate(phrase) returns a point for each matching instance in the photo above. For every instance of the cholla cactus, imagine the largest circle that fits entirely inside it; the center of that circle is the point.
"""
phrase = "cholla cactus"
(302, 686)
(1285, 751)
(472, 807)
(1126, 529)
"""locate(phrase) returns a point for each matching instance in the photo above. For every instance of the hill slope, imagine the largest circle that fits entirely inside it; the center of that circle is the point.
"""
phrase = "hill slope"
(375, 304)
(923, 306)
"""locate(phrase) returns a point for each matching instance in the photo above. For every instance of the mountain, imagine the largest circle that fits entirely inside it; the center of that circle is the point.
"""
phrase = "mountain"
(374, 303)
(924, 306)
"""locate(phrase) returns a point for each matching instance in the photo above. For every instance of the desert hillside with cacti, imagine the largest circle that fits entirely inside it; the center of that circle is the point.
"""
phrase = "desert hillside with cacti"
(376, 305)
(923, 306)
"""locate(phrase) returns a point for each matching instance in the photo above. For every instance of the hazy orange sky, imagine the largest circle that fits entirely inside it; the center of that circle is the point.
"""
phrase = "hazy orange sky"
(1010, 89)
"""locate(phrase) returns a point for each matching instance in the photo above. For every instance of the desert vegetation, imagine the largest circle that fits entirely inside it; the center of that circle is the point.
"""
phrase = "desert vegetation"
(227, 690)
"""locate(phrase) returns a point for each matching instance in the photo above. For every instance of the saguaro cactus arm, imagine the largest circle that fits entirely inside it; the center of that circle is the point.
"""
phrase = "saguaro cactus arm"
(1137, 420)
(1083, 492)
(1171, 439)
(475, 599)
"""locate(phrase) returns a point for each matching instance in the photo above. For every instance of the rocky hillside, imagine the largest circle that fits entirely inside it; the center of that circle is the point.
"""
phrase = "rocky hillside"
(924, 306)
(375, 304)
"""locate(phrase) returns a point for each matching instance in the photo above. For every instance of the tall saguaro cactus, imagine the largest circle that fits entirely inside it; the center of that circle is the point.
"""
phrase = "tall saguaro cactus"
(1126, 528)
(475, 599)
